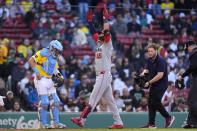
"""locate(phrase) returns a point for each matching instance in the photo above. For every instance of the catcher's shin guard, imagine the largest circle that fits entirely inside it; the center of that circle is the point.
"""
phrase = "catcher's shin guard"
(42, 109)
(54, 108)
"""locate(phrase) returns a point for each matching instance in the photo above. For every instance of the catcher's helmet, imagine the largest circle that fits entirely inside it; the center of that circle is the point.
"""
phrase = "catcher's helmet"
(56, 48)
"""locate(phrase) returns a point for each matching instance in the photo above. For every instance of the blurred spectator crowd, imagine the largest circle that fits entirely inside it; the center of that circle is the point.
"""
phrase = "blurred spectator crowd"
(27, 26)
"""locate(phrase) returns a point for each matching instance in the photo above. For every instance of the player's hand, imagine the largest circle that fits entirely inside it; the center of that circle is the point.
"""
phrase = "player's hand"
(144, 72)
(105, 13)
(147, 85)
(38, 76)
(89, 15)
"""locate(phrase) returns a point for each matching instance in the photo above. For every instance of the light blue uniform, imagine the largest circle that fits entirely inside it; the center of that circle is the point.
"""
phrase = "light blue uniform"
(46, 66)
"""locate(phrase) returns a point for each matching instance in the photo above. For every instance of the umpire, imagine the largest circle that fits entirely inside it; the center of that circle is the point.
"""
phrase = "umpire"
(158, 83)
(191, 122)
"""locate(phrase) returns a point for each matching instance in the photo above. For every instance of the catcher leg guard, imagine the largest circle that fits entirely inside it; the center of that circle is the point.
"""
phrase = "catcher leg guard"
(42, 109)
(54, 108)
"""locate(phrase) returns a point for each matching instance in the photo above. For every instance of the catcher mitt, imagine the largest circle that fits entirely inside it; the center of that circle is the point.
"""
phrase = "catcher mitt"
(141, 80)
(58, 80)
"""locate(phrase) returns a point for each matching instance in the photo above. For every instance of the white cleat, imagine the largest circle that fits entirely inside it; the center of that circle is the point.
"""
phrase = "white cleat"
(59, 126)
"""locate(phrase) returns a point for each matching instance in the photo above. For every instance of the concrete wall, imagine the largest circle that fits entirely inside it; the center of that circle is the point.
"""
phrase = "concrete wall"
(95, 120)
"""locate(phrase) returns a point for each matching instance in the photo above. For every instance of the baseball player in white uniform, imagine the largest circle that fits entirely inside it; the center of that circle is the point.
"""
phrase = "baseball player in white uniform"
(102, 87)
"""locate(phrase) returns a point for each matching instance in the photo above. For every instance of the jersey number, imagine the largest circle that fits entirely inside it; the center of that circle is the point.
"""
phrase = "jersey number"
(99, 55)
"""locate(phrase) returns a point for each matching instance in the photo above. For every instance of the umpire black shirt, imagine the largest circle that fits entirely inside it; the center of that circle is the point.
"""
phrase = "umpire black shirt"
(192, 96)
(155, 66)
(193, 64)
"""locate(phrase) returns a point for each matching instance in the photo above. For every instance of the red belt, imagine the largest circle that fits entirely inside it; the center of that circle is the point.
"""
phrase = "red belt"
(102, 72)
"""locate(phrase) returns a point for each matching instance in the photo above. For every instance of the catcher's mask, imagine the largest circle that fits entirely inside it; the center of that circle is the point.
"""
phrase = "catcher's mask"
(55, 48)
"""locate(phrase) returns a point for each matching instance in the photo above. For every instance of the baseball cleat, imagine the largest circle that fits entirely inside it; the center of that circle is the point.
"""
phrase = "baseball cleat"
(78, 121)
(149, 126)
(59, 126)
(115, 126)
(169, 121)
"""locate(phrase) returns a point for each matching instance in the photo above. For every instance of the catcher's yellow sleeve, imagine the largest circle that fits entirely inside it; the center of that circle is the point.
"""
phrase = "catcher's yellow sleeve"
(39, 59)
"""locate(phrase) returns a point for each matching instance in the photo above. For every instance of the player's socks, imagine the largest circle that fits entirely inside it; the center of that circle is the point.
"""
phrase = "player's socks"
(85, 112)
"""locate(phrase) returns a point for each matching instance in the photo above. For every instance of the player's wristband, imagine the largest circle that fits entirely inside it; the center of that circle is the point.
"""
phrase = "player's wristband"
(35, 70)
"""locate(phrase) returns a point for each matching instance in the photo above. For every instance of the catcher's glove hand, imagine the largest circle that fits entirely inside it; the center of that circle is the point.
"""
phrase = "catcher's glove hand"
(58, 80)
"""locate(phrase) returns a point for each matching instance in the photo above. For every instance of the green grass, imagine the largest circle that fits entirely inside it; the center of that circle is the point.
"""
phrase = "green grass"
(126, 129)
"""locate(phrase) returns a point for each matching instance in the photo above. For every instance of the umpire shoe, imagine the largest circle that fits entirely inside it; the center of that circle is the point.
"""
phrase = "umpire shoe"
(151, 126)
(115, 126)
(59, 126)
(169, 121)
(186, 126)
(78, 121)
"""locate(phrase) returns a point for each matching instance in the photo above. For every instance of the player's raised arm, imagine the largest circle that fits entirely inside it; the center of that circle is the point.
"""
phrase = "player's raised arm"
(106, 27)
(89, 18)
(105, 19)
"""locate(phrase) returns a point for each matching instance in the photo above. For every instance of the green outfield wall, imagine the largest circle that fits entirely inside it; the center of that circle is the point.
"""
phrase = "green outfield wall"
(95, 120)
